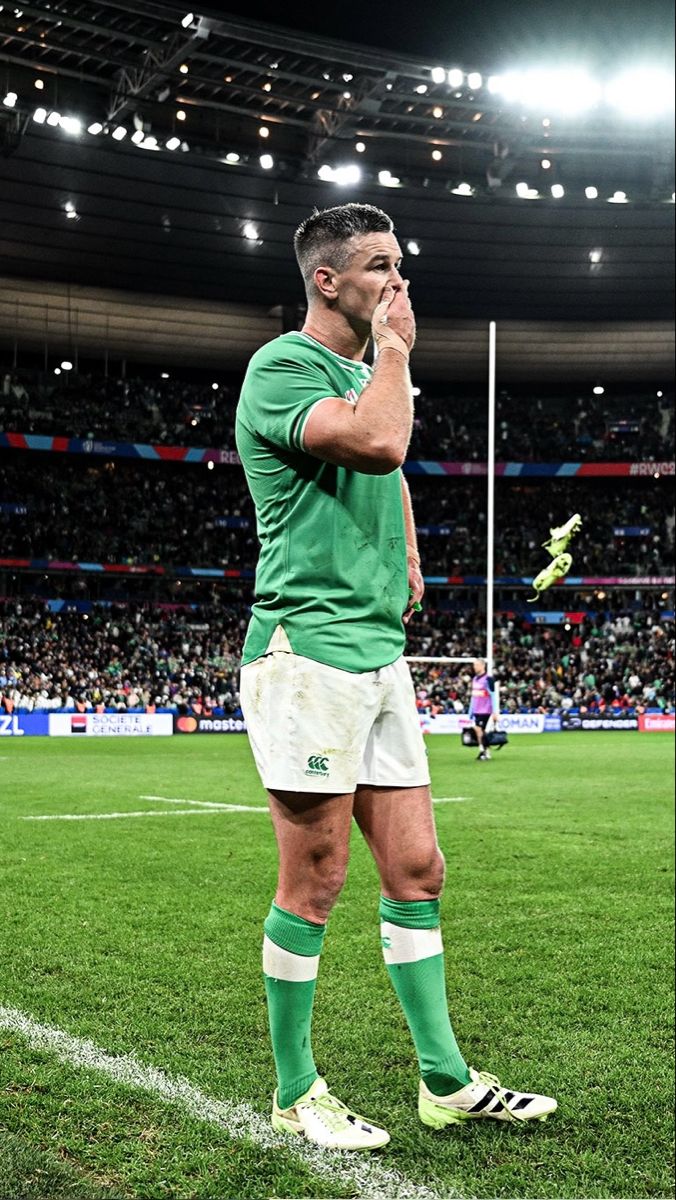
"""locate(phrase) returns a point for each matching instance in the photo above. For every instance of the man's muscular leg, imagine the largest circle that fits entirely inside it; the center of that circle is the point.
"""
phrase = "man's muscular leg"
(312, 832)
(398, 824)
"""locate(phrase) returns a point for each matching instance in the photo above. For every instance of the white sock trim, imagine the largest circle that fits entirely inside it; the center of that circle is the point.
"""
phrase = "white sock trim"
(283, 964)
(402, 945)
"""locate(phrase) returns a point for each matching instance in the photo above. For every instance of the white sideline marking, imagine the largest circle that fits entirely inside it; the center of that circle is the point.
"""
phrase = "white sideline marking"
(207, 803)
(148, 812)
(449, 799)
(238, 1121)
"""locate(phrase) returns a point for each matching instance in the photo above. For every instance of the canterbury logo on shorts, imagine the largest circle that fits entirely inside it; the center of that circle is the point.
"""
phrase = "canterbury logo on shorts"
(317, 764)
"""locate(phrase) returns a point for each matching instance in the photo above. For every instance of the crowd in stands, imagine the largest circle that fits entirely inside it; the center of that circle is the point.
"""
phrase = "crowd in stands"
(617, 426)
(122, 658)
(609, 662)
(139, 657)
(168, 411)
(70, 508)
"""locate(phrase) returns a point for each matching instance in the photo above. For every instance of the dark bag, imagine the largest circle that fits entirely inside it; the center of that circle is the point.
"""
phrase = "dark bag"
(468, 737)
(496, 739)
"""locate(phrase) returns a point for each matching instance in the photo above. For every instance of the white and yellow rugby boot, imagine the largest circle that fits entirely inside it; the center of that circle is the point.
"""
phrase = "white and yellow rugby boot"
(483, 1097)
(321, 1118)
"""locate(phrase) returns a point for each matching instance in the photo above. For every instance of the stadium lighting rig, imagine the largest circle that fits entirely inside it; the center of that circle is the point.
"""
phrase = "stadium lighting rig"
(441, 108)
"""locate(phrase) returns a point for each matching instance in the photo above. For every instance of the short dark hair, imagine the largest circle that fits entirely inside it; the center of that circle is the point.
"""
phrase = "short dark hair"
(323, 239)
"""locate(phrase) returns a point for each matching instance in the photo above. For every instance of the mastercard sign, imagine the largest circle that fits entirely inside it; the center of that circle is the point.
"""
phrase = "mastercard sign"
(209, 725)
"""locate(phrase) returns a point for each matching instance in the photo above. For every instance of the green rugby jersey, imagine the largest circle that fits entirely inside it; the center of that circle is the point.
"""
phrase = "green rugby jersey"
(332, 568)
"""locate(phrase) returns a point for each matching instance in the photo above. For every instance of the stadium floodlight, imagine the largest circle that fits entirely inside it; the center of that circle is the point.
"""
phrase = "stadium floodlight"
(565, 90)
(184, 68)
(413, 248)
(95, 128)
(421, 89)
(180, 114)
(388, 180)
(267, 162)
(347, 174)
(437, 112)
(595, 256)
(592, 193)
(137, 137)
(474, 80)
(546, 164)
(119, 133)
(54, 119)
(326, 173)
(215, 387)
(232, 157)
(39, 84)
(415, 391)
(437, 155)
(618, 198)
(642, 93)
(210, 465)
(598, 390)
(264, 132)
(558, 191)
(70, 210)
(360, 147)
(57, 370)
(659, 395)
(66, 365)
(173, 143)
(40, 116)
(463, 189)
(438, 75)
(10, 100)
(455, 77)
(525, 192)
(250, 231)
(187, 20)
(164, 375)
(71, 125)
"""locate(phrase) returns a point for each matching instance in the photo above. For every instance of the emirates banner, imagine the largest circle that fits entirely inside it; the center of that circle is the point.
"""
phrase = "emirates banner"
(657, 723)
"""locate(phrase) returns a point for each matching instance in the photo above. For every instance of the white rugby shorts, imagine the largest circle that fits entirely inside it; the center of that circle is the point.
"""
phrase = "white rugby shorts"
(315, 728)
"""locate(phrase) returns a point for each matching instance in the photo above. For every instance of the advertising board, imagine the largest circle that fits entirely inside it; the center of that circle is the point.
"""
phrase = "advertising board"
(191, 724)
(591, 722)
(657, 723)
(24, 724)
(110, 725)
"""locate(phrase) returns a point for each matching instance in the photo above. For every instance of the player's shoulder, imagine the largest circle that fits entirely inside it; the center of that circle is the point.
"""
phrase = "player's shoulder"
(286, 350)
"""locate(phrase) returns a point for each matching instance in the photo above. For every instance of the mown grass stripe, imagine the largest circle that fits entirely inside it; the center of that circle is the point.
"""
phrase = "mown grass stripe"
(240, 1122)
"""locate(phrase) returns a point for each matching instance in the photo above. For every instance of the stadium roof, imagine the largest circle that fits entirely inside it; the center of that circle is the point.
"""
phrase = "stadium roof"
(213, 218)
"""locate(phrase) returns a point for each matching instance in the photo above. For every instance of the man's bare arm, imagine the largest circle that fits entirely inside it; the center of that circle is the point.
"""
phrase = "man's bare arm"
(373, 435)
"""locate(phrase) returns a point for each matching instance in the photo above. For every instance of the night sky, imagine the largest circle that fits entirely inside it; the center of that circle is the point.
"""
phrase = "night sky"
(486, 34)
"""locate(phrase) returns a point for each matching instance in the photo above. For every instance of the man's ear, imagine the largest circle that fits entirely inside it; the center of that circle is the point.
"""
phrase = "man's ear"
(325, 282)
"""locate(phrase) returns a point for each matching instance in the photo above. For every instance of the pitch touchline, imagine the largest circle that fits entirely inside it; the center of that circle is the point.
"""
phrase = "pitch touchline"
(239, 1121)
(202, 808)
(148, 812)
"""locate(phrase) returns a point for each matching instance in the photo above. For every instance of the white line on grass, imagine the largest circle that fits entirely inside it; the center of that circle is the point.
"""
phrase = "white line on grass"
(149, 812)
(449, 799)
(238, 1121)
(207, 803)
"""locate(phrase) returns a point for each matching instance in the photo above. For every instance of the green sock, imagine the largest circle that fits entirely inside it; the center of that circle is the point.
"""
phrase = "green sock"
(414, 956)
(291, 949)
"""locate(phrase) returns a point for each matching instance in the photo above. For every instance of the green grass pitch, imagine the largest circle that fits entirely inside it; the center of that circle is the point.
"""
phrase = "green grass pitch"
(143, 934)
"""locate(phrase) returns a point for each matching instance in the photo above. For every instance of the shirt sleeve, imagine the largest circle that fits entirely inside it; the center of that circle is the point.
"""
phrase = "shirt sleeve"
(282, 393)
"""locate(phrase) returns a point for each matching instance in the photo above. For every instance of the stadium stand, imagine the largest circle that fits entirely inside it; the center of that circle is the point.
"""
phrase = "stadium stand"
(115, 511)
(136, 657)
(617, 426)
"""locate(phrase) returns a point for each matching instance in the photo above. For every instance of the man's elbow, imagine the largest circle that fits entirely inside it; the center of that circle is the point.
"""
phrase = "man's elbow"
(387, 457)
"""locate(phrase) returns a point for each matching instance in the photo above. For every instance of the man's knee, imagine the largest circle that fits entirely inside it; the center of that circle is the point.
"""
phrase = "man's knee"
(417, 877)
(313, 887)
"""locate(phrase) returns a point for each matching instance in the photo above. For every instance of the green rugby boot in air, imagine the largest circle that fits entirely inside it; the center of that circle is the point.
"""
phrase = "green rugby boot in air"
(562, 535)
(559, 567)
